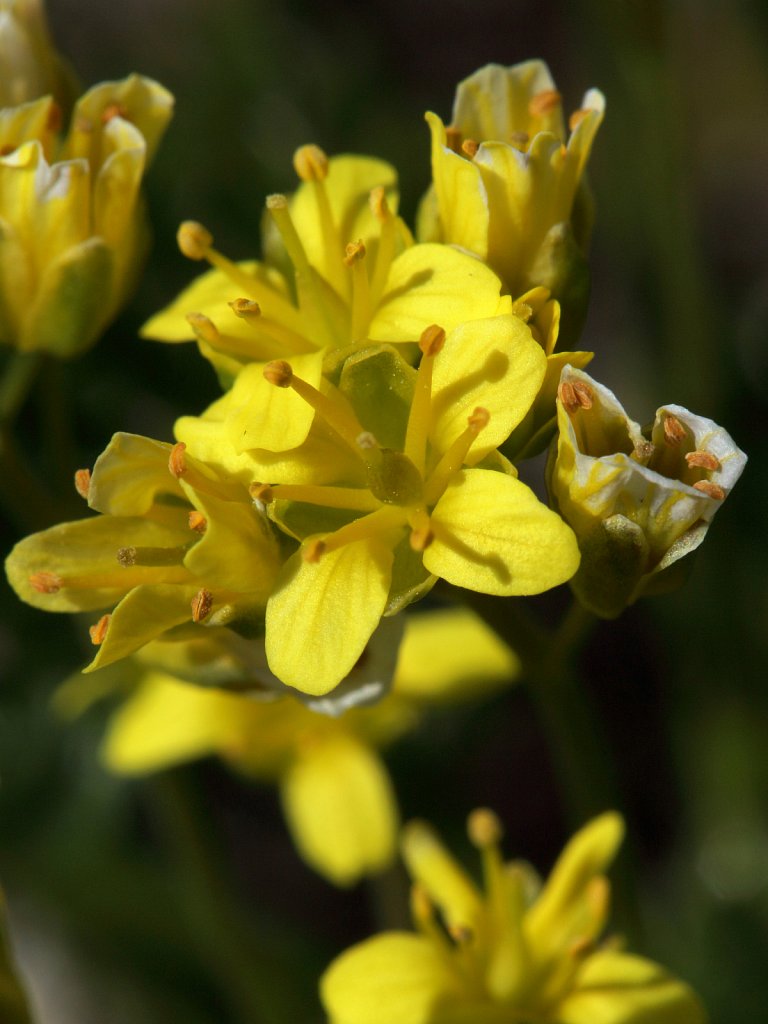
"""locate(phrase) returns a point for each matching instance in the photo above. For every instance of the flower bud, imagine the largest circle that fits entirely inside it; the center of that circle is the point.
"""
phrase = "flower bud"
(636, 503)
(29, 64)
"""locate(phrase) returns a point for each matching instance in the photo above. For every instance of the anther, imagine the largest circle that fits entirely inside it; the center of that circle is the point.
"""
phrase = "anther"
(277, 201)
(197, 521)
(378, 203)
(127, 557)
(519, 138)
(83, 482)
(98, 630)
(245, 308)
(354, 252)
(421, 538)
(484, 828)
(310, 163)
(479, 419)
(55, 117)
(261, 492)
(574, 394)
(113, 110)
(202, 603)
(177, 463)
(469, 147)
(674, 431)
(432, 340)
(577, 117)
(643, 450)
(313, 550)
(453, 138)
(366, 441)
(46, 582)
(543, 102)
(278, 372)
(702, 460)
(194, 240)
(710, 489)
(203, 327)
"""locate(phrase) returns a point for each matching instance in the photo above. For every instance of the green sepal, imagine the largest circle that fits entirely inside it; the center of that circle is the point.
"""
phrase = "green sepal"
(410, 580)
(614, 558)
(379, 384)
(561, 266)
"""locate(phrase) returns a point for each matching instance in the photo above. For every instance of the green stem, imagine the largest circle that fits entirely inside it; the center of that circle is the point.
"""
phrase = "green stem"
(20, 372)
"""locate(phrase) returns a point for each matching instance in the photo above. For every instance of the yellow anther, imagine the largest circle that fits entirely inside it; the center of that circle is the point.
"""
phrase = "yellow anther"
(642, 451)
(577, 117)
(484, 828)
(674, 431)
(453, 138)
(479, 419)
(261, 492)
(98, 630)
(277, 201)
(113, 110)
(432, 340)
(83, 482)
(127, 557)
(202, 603)
(278, 372)
(702, 460)
(310, 163)
(245, 308)
(46, 582)
(543, 102)
(366, 441)
(710, 489)
(197, 521)
(523, 310)
(354, 252)
(177, 463)
(378, 203)
(313, 550)
(574, 394)
(194, 240)
(469, 147)
(420, 538)
(203, 327)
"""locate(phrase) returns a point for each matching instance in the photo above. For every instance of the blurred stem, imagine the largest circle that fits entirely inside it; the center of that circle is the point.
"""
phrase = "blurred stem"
(257, 988)
(22, 496)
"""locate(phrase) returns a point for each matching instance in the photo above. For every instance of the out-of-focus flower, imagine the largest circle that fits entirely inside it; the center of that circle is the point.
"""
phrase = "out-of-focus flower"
(30, 67)
(177, 549)
(72, 226)
(637, 501)
(341, 271)
(508, 187)
(336, 793)
(517, 952)
(409, 487)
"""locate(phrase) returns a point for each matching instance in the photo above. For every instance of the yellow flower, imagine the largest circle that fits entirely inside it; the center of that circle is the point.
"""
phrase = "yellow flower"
(516, 953)
(638, 502)
(172, 550)
(410, 488)
(29, 64)
(507, 185)
(336, 793)
(341, 272)
(73, 230)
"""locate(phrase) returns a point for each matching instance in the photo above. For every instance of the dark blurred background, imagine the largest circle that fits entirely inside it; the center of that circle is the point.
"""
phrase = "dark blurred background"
(98, 884)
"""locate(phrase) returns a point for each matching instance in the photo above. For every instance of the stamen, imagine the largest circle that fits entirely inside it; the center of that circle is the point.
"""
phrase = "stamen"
(574, 394)
(642, 451)
(484, 828)
(354, 252)
(710, 489)
(469, 148)
(310, 163)
(113, 110)
(261, 493)
(46, 582)
(358, 499)
(197, 521)
(194, 240)
(520, 139)
(313, 550)
(367, 441)
(577, 117)
(702, 460)
(453, 138)
(543, 102)
(361, 294)
(385, 252)
(246, 309)
(386, 517)
(98, 631)
(177, 463)
(202, 603)
(422, 533)
(83, 482)
(674, 431)
(180, 466)
(149, 556)
(454, 458)
(204, 328)
(277, 206)
(279, 372)
(377, 201)
(431, 343)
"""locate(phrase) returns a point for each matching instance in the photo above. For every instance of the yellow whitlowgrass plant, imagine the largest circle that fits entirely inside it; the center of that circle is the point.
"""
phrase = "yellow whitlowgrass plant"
(336, 793)
(72, 226)
(177, 545)
(30, 67)
(638, 501)
(340, 272)
(402, 484)
(514, 952)
(508, 179)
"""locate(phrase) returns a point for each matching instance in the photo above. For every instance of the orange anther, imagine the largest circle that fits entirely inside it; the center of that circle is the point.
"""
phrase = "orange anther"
(674, 431)
(83, 482)
(278, 372)
(99, 630)
(177, 462)
(46, 582)
(432, 340)
(197, 521)
(710, 489)
(469, 147)
(543, 102)
(313, 550)
(702, 460)
(202, 603)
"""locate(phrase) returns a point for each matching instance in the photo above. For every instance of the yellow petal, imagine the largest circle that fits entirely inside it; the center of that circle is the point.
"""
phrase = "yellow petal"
(617, 988)
(432, 283)
(494, 101)
(322, 614)
(446, 882)
(493, 535)
(340, 807)
(394, 977)
(444, 651)
(493, 363)
(165, 722)
(129, 474)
